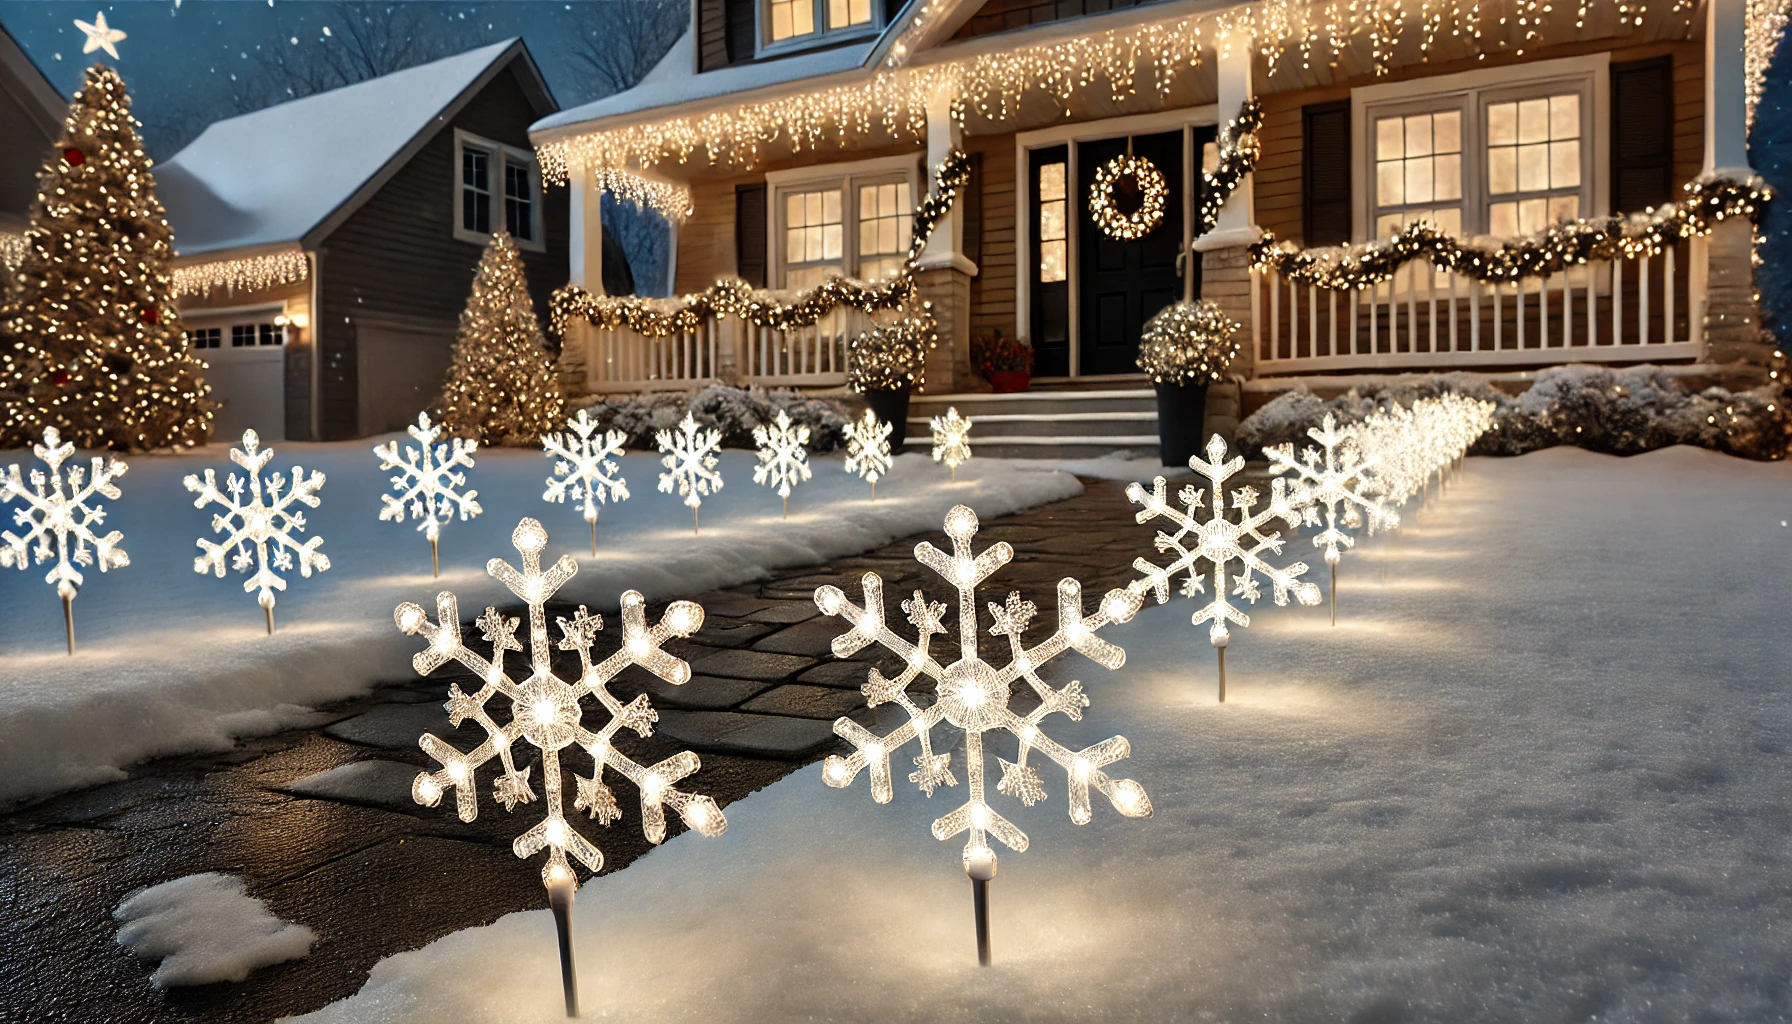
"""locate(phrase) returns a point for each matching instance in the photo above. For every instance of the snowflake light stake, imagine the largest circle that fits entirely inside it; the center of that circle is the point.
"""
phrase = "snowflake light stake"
(951, 440)
(427, 482)
(586, 469)
(1219, 541)
(783, 456)
(548, 712)
(258, 535)
(1333, 475)
(57, 510)
(868, 449)
(972, 695)
(689, 456)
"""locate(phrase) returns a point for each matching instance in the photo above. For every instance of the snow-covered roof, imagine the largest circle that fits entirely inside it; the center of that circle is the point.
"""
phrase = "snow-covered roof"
(22, 77)
(271, 177)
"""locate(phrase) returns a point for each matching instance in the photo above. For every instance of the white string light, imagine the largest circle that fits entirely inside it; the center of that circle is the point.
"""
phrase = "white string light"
(951, 439)
(689, 455)
(59, 508)
(249, 273)
(783, 456)
(868, 448)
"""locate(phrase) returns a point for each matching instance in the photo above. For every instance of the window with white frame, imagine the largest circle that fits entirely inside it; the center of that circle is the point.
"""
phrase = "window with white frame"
(496, 189)
(795, 20)
(857, 224)
(253, 335)
(1503, 156)
(205, 337)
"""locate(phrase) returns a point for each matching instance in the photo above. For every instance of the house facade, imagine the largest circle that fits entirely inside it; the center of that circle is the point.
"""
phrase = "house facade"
(31, 113)
(327, 245)
(798, 135)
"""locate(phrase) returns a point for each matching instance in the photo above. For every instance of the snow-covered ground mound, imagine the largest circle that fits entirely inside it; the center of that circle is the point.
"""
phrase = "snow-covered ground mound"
(1540, 770)
(205, 928)
(172, 661)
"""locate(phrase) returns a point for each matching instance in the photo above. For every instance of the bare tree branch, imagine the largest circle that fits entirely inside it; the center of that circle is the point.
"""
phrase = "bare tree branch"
(616, 42)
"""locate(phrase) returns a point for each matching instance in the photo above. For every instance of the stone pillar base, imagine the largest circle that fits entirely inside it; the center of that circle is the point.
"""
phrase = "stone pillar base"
(1226, 279)
(570, 367)
(1225, 407)
(1733, 334)
(949, 364)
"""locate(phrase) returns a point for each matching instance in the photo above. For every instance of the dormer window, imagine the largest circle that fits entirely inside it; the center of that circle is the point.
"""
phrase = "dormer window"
(798, 21)
(497, 187)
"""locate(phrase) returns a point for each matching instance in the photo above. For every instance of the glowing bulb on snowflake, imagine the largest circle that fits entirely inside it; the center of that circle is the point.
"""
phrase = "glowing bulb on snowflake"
(951, 440)
(783, 456)
(258, 535)
(1328, 479)
(1219, 541)
(428, 482)
(868, 450)
(61, 518)
(585, 469)
(973, 695)
(689, 455)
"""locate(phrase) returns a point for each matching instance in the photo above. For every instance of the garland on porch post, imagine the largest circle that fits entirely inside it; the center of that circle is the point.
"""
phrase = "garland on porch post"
(660, 318)
(1620, 236)
(1239, 150)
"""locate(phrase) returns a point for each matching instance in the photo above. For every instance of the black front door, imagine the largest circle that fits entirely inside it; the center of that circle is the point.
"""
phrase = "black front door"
(1123, 284)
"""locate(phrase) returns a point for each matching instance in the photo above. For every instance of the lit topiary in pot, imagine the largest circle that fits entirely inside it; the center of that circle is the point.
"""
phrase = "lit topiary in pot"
(893, 356)
(1188, 343)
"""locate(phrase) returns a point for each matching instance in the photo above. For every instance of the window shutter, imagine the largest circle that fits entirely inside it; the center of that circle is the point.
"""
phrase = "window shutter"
(972, 205)
(712, 35)
(1325, 173)
(749, 233)
(742, 28)
(1642, 134)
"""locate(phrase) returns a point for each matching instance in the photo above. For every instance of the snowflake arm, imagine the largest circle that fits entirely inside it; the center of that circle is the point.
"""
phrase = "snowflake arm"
(585, 469)
(783, 454)
(59, 517)
(689, 455)
(258, 534)
(951, 439)
(429, 479)
(1334, 477)
(868, 448)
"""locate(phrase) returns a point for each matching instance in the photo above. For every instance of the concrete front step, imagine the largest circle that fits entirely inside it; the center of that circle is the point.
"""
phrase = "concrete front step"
(1098, 424)
(1036, 403)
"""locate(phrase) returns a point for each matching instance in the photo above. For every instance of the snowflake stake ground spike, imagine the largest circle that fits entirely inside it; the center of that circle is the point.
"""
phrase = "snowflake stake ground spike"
(57, 510)
(868, 449)
(689, 455)
(586, 470)
(1333, 475)
(783, 456)
(1219, 541)
(258, 535)
(972, 695)
(951, 440)
(548, 713)
(428, 482)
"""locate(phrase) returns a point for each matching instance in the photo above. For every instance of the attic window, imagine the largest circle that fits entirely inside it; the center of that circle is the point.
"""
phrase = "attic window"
(799, 21)
(495, 189)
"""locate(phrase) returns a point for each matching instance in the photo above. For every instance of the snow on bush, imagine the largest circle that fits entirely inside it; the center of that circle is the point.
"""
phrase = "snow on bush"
(205, 928)
(1618, 411)
(734, 411)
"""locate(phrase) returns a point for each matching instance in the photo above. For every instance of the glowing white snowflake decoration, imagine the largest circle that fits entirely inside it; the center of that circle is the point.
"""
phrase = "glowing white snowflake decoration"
(548, 712)
(951, 440)
(1333, 475)
(973, 695)
(585, 468)
(783, 456)
(258, 536)
(868, 449)
(60, 519)
(428, 480)
(1220, 541)
(689, 455)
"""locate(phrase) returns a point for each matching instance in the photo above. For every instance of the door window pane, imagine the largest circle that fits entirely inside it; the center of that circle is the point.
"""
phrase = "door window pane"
(1054, 244)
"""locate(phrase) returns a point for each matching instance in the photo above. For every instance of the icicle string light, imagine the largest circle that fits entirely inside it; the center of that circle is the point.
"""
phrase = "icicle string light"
(671, 201)
(248, 274)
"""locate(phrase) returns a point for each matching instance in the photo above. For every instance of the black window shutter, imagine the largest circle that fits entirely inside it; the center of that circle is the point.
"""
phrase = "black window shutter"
(1642, 134)
(1325, 173)
(749, 233)
(742, 29)
(712, 35)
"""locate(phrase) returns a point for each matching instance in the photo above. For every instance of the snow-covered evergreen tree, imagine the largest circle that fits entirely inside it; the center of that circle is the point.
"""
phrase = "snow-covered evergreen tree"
(501, 386)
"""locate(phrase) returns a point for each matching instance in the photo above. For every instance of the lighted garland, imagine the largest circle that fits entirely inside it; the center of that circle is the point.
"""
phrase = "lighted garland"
(893, 356)
(1153, 191)
(1188, 343)
(1239, 150)
(732, 297)
(12, 250)
(1620, 236)
(250, 274)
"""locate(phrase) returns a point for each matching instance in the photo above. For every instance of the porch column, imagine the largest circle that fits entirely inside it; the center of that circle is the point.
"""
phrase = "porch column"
(1226, 275)
(585, 268)
(1730, 316)
(943, 274)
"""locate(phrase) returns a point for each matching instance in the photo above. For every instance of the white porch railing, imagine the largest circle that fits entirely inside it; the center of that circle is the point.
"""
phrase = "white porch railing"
(1622, 311)
(622, 360)
(815, 356)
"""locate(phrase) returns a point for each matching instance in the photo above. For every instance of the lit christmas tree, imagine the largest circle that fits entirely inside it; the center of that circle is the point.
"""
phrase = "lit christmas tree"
(501, 386)
(97, 348)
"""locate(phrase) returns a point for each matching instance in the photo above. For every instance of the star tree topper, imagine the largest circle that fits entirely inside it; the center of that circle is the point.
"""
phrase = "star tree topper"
(548, 713)
(58, 509)
(428, 480)
(783, 456)
(259, 534)
(972, 695)
(586, 469)
(868, 448)
(100, 36)
(689, 455)
(951, 440)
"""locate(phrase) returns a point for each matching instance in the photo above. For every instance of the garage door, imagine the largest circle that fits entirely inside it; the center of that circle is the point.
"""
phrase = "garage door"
(247, 371)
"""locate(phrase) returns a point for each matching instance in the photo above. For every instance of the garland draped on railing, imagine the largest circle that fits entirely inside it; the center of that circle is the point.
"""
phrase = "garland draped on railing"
(1620, 236)
(660, 318)
(1239, 149)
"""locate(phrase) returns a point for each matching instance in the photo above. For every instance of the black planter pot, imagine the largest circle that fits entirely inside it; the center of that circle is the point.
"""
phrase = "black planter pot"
(891, 407)
(1181, 415)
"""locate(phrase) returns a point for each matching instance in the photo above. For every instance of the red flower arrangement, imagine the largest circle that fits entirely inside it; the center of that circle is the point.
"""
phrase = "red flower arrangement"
(1007, 363)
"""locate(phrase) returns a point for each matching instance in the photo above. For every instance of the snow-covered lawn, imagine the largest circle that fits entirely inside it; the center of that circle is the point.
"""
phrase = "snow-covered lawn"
(171, 661)
(1541, 770)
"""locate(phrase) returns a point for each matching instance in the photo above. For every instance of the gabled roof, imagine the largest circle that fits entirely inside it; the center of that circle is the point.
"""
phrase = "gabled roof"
(20, 77)
(292, 172)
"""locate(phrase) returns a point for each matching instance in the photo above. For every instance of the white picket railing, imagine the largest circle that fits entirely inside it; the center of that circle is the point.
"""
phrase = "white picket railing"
(622, 360)
(815, 356)
(1625, 311)
(812, 356)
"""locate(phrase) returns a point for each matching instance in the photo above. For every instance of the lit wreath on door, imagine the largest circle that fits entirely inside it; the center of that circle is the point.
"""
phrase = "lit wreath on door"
(1104, 193)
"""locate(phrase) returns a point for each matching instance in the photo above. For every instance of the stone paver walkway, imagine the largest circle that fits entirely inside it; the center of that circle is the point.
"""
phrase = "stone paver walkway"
(321, 823)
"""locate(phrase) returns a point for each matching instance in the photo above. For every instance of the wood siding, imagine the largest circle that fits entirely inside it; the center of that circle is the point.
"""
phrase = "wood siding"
(22, 156)
(1002, 15)
(992, 290)
(396, 258)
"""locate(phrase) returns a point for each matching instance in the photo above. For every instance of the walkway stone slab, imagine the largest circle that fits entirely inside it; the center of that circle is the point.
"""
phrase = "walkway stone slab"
(734, 606)
(812, 639)
(724, 632)
(824, 702)
(746, 664)
(780, 612)
(377, 783)
(843, 675)
(709, 693)
(728, 732)
(397, 726)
